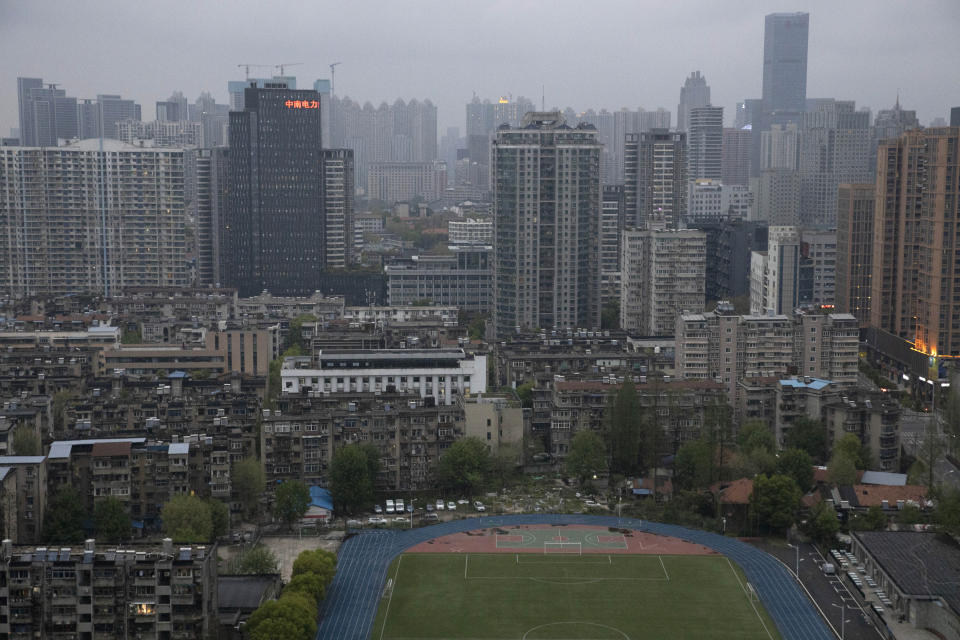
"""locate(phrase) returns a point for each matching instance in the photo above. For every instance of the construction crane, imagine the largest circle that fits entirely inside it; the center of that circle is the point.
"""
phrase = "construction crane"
(247, 68)
(333, 68)
(285, 64)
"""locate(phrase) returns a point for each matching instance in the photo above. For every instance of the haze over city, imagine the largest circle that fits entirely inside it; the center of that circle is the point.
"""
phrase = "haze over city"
(597, 55)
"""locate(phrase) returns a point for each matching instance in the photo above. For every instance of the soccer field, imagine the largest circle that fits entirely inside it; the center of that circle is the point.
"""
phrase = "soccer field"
(566, 596)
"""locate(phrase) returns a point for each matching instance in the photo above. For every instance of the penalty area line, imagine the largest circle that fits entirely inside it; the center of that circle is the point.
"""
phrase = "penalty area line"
(749, 599)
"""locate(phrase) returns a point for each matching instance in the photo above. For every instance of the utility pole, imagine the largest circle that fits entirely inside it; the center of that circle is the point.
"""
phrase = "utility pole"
(333, 68)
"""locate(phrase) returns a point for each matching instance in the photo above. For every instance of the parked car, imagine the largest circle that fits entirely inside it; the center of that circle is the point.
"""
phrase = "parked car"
(410, 508)
(401, 519)
(376, 520)
(451, 506)
(389, 506)
(429, 506)
(463, 501)
(377, 508)
(431, 517)
(354, 524)
(479, 506)
(398, 506)
(440, 505)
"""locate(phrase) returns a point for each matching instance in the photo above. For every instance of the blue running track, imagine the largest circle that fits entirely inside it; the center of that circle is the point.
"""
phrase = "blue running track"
(351, 604)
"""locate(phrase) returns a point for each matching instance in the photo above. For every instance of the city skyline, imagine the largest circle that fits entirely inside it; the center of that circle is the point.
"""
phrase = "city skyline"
(393, 58)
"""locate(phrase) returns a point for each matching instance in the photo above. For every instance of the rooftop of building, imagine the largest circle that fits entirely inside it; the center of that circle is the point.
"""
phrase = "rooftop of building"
(63, 448)
(920, 563)
(111, 145)
(244, 592)
(599, 385)
(11, 460)
(805, 383)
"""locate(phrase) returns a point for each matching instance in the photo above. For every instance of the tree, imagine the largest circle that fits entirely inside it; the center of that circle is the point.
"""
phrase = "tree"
(873, 520)
(26, 442)
(850, 447)
(308, 584)
(755, 434)
(464, 467)
(477, 328)
(525, 393)
(775, 500)
(219, 517)
(295, 334)
(257, 560)
(586, 455)
(692, 465)
(59, 406)
(929, 452)
(186, 518)
(841, 469)
(291, 502)
(950, 414)
(63, 520)
(808, 435)
(823, 525)
(610, 315)
(352, 478)
(292, 617)
(910, 514)
(797, 464)
(623, 430)
(946, 515)
(504, 463)
(248, 479)
(131, 336)
(110, 520)
(316, 561)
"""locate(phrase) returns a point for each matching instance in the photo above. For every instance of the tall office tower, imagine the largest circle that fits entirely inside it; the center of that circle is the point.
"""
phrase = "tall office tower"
(338, 191)
(664, 273)
(785, 38)
(236, 88)
(915, 283)
(322, 86)
(393, 182)
(735, 156)
(705, 143)
(46, 113)
(547, 204)
(655, 177)
(112, 109)
(603, 121)
(955, 117)
(748, 112)
(273, 238)
(778, 147)
(695, 92)
(88, 119)
(729, 245)
(775, 273)
(208, 169)
(833, 147)
(79, 219)
(659, 118)
(778, 197)
(611, 232)
(855, 216)
(173, 108)
(890, 123)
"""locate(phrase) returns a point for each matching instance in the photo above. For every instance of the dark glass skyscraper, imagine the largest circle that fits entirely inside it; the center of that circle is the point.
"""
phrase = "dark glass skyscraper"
(273, 236)
(785, 61)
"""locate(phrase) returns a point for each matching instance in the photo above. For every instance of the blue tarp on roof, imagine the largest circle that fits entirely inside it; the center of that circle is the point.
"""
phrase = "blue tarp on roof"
(179, 374)
(320, 497)
(642, 492)
(815, 383)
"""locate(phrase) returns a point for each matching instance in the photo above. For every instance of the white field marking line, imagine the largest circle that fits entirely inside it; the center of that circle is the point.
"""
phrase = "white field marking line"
(750, 600)
(609, 559)
(590, 624)
(660, 558)
(466, 562)
(386, 614)
(593, 538)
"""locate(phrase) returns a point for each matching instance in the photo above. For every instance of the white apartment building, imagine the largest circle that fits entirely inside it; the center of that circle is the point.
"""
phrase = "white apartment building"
(664, 272)
(93, 216)
(470, 231)
(394, 182)
(775, 273)
(713, 201)
(441, 374)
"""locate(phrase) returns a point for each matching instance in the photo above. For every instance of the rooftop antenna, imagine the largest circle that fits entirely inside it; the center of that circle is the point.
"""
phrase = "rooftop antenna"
(333, 69)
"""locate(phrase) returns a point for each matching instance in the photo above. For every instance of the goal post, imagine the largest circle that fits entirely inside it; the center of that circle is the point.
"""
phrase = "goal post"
(566, 548)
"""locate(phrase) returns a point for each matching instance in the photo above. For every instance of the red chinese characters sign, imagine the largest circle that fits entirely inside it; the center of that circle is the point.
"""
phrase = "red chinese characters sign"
(302, 104)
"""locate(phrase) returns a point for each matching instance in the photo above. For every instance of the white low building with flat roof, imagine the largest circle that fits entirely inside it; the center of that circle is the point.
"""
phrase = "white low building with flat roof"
(441, 374)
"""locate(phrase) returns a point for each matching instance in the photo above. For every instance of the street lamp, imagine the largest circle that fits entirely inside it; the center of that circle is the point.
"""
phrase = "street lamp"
(797, 549)
(843, 615)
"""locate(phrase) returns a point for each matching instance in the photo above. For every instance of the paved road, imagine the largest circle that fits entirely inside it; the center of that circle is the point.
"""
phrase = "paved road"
(350, 607)
(828, 591)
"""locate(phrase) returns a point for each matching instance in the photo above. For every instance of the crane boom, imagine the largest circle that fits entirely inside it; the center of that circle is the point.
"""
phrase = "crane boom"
(286, 64)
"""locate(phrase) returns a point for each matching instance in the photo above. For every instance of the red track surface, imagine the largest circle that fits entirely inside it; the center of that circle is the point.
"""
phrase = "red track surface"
(485, 541)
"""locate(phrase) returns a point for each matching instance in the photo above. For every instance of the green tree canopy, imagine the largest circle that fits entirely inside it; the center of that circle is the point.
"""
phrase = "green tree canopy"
(63, 520)
(851, 448)
(873, 520)
(26, 442)
(946, 515)
(464, 467)
(316, 561)
(186, 518)
(623, 418)
(692, 465)
(110, 520)
(823, 525)
(353, 472)
(610, 315)
(797, 464)
(841, 469)
(525, 393)
(291, 502)
(755, 434)
(586, 455)
(259, 559)
(292, 617)
(308, 584)
(808, 435)
(248, 480)
(219, 517)
(775, 500)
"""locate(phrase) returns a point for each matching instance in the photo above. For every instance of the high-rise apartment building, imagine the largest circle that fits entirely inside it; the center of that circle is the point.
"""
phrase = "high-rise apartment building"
(463, 279)
(394, 182)
(855, 218)
(208, 170)
(91, 217)
(785, 38)
(818, 267)
(735, 156)
(547, 203)
(778, 147)
(712, 201)
(113, 109)
(655, 177)
(273, 236)
(611, 232)
(705, 143)
(338, 191)
(778, 197)
(663, 272)
(694, 93)
(915, 283)
(775, 273)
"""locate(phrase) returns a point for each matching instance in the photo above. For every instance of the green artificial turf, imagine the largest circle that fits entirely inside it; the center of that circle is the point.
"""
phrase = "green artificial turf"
(509, 596)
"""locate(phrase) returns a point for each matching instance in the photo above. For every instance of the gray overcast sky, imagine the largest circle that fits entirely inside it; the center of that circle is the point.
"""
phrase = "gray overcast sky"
(587, 54)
